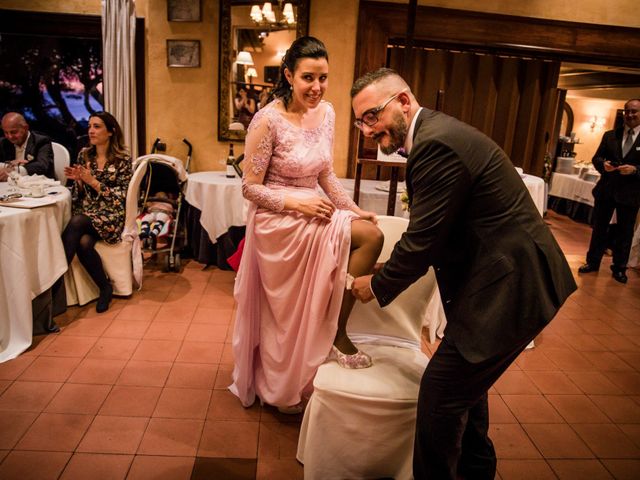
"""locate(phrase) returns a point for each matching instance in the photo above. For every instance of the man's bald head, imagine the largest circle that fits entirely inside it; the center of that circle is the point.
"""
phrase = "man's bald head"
(15, 128)
(387, 81)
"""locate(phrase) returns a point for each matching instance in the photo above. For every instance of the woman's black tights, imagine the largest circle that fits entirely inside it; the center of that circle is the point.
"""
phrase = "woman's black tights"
(79, 237)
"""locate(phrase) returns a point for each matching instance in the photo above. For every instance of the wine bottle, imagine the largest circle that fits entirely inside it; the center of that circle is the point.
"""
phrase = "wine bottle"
(231, 160)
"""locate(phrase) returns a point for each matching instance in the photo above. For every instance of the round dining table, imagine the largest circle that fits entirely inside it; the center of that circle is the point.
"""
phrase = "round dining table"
(31, 260)
(216, 216)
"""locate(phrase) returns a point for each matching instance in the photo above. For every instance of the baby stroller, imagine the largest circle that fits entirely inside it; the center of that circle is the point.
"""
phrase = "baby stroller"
(162, 179)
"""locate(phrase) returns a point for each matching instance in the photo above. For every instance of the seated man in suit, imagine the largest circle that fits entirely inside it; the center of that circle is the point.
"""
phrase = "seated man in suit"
(30, 152)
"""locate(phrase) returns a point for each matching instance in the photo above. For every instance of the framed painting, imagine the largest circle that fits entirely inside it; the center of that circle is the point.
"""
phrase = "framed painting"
(183, 53)
(184, 10)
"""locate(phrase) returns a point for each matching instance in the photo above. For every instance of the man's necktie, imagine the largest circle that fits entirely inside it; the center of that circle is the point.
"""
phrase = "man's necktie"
(627, 143)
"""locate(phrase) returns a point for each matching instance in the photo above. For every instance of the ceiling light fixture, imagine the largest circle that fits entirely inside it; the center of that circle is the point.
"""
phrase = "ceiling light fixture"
(267, 14)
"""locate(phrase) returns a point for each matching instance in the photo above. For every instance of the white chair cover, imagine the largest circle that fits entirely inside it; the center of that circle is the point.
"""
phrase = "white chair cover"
(360, 423)
(116, 260)
(123, 261)
(61, 159)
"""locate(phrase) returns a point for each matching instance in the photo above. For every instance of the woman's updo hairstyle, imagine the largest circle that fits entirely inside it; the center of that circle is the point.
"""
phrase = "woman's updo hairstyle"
(303, 47)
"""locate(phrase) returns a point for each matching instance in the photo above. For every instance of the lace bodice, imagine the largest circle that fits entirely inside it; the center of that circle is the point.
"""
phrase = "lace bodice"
(290, 156)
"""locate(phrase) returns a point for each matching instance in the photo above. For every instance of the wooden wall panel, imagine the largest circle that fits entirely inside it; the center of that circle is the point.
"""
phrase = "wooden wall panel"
(506, 98)
(484, 101)
(526, 120)
(512, 104)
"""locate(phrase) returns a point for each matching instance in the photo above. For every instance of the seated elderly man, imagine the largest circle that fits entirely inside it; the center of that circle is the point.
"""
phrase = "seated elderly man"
(27, 151)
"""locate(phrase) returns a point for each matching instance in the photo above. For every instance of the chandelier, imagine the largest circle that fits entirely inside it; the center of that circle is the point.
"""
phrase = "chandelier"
(267, 15)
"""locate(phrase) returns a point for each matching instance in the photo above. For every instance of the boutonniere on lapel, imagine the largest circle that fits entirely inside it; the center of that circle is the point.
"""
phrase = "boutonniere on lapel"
(404, 198)
(29, 157)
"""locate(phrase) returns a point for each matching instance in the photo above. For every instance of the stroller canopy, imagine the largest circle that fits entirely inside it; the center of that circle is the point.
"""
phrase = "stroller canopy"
(172, 162)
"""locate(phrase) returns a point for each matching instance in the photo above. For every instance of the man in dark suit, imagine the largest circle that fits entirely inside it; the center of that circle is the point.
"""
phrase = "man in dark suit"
(618, 161)
(501, 274)
(30, 152)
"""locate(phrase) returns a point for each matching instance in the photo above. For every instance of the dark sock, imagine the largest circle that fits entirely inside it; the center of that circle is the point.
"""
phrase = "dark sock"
(157, 227)
(144, 230)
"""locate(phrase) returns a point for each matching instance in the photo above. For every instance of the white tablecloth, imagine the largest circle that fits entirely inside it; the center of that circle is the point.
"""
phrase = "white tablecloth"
(219, 200)
(31, 260)
(374, 195)
(571, 187)
(374, 198)
(535, 185)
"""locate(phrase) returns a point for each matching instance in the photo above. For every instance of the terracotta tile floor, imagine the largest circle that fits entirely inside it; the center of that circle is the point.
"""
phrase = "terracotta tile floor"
(139, 392)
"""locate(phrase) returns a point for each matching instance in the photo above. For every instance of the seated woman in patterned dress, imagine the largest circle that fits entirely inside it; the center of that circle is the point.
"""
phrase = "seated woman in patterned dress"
(100, 181)
(300, 246)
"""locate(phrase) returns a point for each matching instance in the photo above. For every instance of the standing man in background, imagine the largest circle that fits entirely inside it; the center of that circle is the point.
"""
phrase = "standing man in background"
(501, 274)
(618, 161)
(30, 152)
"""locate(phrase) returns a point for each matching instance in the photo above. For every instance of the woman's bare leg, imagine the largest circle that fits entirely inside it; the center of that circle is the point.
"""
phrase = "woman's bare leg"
(366, 244)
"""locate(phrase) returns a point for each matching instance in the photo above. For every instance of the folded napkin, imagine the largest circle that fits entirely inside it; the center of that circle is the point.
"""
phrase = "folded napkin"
(385, 186)
(29, 180)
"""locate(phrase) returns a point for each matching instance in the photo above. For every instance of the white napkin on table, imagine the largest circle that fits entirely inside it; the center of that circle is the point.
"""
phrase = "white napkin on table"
(29, 180)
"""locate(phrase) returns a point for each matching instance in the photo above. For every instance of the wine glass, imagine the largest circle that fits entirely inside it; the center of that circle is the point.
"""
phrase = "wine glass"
(12, 181)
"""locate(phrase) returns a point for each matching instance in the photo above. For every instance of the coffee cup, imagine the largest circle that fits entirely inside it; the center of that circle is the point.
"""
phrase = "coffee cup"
(37, 190)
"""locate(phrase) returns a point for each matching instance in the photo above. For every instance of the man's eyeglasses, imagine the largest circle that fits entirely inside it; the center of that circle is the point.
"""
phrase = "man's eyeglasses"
(630, 111)
(370, 117)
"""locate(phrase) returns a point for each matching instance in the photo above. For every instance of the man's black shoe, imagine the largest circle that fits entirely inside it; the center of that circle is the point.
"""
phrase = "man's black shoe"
(619, 276)
(588, 268)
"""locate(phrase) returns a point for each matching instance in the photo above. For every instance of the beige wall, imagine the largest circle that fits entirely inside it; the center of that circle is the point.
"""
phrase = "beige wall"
(614, 12)
(335, 23)
(183, 102)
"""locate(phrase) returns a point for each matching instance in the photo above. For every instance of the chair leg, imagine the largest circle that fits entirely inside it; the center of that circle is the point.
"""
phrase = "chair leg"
(356, 183)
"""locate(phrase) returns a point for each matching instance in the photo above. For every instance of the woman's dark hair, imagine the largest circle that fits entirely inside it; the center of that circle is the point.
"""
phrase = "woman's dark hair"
(116, 149)
(303, 47)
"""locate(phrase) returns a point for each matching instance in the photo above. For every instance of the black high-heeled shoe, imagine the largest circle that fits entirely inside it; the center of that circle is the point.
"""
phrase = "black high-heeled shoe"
(104, 299)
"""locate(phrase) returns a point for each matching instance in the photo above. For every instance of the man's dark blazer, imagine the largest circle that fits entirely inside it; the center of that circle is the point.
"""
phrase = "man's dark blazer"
(39, 148)
(624, 189)
(501, 274)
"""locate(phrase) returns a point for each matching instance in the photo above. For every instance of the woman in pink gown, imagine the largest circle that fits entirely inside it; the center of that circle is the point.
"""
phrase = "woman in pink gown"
(290, 289)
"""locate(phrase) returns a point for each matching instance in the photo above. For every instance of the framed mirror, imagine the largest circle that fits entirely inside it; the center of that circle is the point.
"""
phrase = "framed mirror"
(252, 42)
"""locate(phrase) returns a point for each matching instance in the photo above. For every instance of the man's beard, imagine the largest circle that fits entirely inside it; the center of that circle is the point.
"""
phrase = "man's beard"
(397, 134)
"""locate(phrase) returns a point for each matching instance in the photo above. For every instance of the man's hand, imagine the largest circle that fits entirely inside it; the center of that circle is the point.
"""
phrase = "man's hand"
(627, 169)
(377, 267)
(609, 167)
(361, 289)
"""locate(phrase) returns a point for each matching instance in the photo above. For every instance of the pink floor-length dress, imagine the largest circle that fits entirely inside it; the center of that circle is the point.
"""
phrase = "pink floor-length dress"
(293, 270)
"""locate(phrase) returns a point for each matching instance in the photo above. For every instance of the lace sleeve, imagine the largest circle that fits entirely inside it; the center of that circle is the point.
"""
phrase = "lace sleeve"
(258, 150)
(327, 178)
(334, 190)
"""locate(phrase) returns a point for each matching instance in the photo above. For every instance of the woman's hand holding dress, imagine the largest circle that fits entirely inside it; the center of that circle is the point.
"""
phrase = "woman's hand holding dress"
(317, 207)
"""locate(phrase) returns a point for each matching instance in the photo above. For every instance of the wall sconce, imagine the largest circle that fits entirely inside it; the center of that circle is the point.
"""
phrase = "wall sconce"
(251, 74)
(244, 58)
(597, 122)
